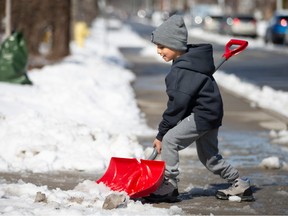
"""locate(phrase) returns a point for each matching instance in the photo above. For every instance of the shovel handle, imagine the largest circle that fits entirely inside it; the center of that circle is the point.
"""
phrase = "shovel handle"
(242, 44)
(153, 154)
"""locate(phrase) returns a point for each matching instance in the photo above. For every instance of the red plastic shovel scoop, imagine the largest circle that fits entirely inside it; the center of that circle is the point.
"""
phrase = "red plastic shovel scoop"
(136, 178)
(141, 178)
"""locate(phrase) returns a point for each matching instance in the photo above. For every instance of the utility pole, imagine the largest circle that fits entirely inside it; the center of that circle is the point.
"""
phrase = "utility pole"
(221, 4)
(7, 19)
(279, 5)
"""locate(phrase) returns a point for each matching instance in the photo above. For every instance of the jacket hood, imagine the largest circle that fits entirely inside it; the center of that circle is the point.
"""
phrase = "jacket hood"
(198, 58)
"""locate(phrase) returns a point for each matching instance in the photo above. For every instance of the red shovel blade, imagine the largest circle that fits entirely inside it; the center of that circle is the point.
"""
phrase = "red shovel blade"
(137, 179)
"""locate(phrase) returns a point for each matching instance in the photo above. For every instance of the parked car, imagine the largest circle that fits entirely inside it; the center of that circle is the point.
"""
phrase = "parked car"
(213, 23)
(277, 28)
(200, 11)
(242, 25)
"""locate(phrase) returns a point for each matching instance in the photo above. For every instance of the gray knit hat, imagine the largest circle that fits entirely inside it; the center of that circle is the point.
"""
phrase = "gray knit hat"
(172, 33)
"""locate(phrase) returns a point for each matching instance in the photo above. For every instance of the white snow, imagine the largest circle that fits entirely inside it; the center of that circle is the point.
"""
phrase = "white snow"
(279, 137)
(75, 116)
(86, 199)
(78, 114)
(265, 97)
(272, 162)
(234, 198)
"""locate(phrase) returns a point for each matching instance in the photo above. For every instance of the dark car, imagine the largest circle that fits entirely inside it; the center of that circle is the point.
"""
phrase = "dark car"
(242, 25)
(277, 28)
(286, 37)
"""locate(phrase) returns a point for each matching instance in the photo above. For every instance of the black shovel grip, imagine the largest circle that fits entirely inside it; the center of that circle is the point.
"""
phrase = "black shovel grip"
(153, 154)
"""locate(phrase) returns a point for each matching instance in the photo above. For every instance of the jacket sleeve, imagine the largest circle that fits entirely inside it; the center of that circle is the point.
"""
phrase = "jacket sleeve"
(177, 107)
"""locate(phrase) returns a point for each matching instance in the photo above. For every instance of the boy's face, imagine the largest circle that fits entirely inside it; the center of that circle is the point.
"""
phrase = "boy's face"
(167, 53)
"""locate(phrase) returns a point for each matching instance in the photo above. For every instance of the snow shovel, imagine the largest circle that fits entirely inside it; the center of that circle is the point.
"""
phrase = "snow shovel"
(141, 178)
(136, 178)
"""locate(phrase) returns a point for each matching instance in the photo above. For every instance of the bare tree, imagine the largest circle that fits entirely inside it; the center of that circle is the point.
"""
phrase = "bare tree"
(39, 21)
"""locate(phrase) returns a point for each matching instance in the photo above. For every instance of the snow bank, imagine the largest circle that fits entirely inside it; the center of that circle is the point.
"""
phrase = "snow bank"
(86, 199)
(265, 97)
(78, 113)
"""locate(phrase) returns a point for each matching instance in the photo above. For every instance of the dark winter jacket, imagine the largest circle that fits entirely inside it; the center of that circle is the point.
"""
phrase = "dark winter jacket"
(191, 88)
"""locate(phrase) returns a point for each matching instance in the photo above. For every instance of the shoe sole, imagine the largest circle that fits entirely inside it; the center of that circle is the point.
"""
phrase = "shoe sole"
(243, 198)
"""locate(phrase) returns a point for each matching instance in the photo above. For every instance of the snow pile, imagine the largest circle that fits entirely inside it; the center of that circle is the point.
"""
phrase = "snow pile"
(279, 137)
(86, 199)
(271, 163)
(77, 114)
(265, 97)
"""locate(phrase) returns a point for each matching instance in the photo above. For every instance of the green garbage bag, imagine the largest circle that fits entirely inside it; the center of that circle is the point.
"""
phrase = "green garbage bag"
(14, 60)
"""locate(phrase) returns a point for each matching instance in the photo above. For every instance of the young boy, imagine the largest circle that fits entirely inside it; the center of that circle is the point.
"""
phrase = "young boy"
(194, 112)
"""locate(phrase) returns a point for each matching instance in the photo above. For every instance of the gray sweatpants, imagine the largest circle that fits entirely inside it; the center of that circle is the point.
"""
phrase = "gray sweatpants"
(183, 135)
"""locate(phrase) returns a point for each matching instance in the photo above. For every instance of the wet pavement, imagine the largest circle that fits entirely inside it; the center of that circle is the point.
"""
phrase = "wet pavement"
(244, 142)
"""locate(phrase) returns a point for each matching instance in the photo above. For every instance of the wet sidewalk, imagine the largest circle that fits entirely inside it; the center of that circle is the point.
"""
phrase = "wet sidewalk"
(243, 141)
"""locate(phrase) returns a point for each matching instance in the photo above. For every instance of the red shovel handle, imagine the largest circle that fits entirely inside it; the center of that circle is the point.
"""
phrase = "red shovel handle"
(242, 44)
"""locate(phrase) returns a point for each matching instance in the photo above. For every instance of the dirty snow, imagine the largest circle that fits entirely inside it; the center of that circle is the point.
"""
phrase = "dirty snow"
(272, 162)
(78, 114)
(86, 199)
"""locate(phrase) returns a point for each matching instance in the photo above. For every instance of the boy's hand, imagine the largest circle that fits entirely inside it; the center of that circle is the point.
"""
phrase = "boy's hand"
(157, 144)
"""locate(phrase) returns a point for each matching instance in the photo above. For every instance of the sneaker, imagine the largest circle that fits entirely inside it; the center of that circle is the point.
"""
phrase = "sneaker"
(167, 192)
(240, 188)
